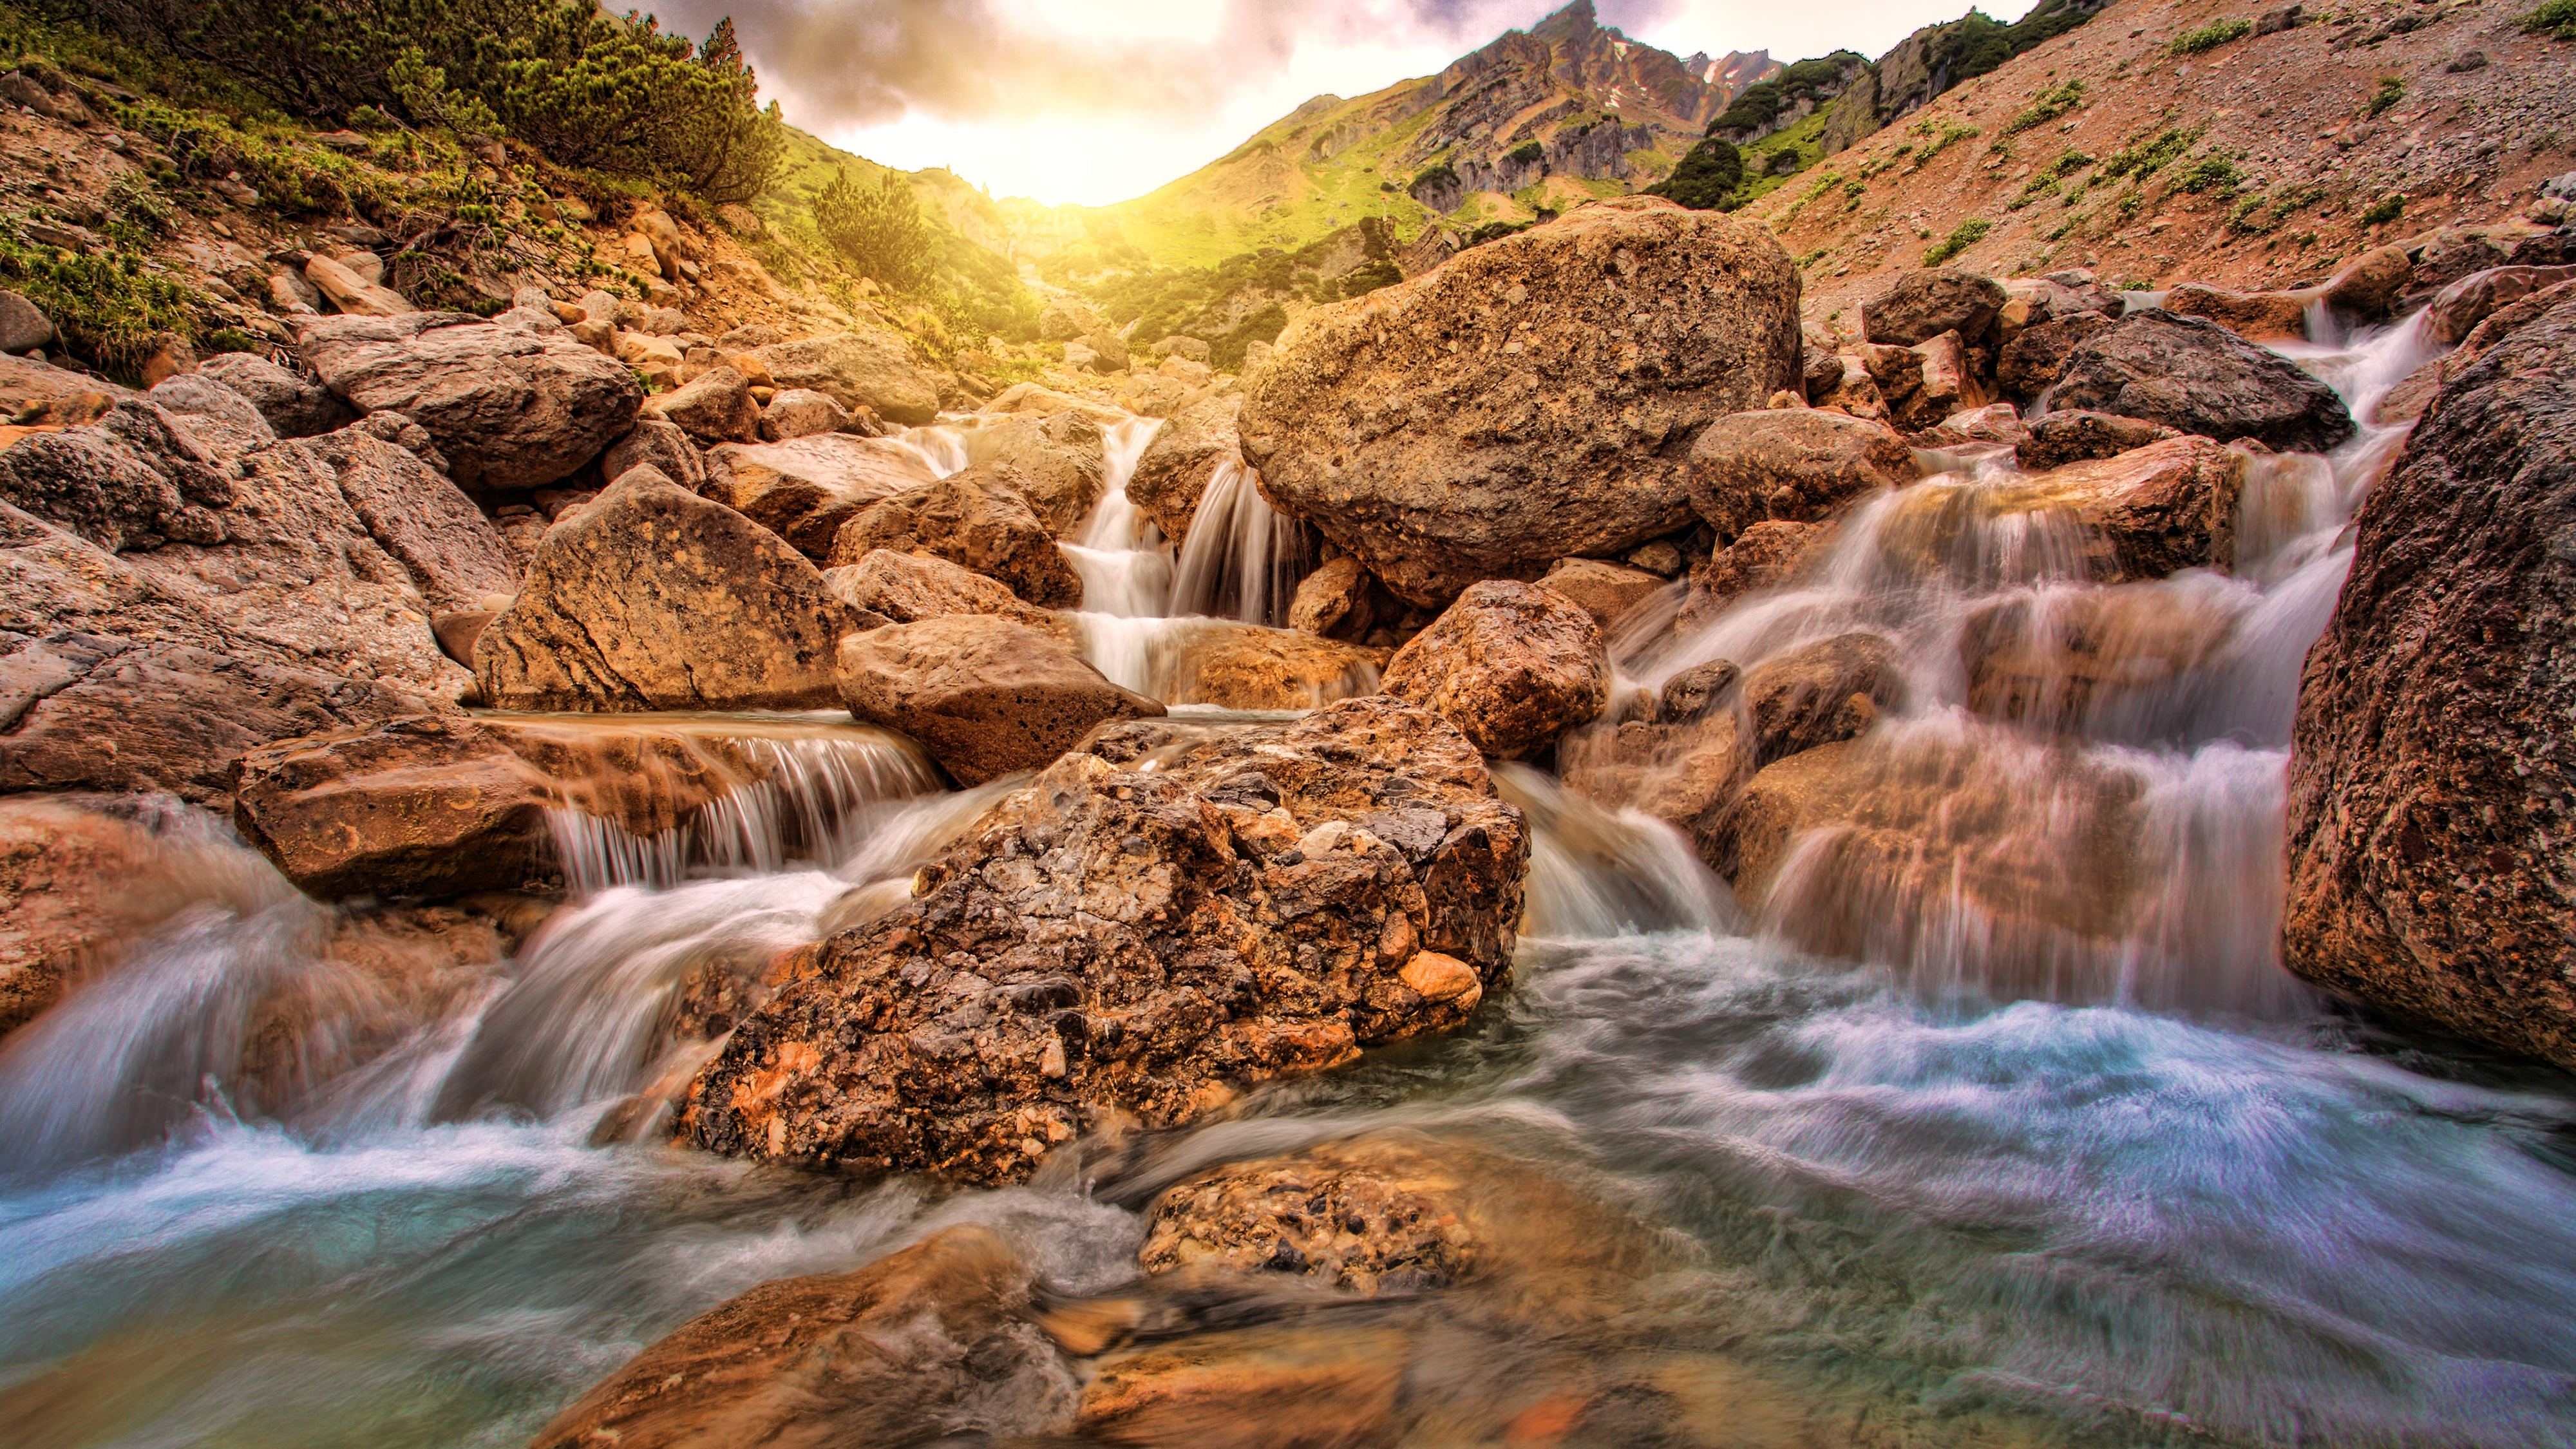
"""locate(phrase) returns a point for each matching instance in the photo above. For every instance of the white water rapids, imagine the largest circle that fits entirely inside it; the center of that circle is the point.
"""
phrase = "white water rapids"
(1962, 1175)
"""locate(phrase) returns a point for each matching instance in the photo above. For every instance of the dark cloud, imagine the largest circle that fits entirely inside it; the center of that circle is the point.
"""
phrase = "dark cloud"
(861, 63)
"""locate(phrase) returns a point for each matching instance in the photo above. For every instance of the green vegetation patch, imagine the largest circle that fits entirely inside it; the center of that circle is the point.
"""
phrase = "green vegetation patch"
(2050, 104)
(2557, 20)
(1706, 178)
(114, 308)
(2211, 36)
(2144, 158)
(1967, 234)
(2386, 209)
(2392, 89)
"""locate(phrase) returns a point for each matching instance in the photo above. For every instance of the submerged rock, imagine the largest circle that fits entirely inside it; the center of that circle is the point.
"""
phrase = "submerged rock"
(1165, 916)
(1521, 403)
(2195, 376)
(654, 598)
(1245, 666)
(937, 1340)
(2142, 514)
(1511, 665)
(984, 695)
(2431, 769)
(509, 407)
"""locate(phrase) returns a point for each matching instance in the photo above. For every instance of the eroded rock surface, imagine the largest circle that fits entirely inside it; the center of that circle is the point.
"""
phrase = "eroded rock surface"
(871, 370)
(804, 489)
(2194, 376)
(1530, 399)
(1790, 465)
(1174, 472)
(977, 519)
(1121, 942)
(986, 696)
(509, 407)
(1511, 665)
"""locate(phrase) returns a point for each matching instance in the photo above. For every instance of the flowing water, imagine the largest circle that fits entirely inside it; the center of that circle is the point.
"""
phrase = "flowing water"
(2018, 1135)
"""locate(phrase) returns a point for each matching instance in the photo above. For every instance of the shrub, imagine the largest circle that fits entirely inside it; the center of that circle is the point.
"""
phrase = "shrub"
(1526, 153)
(2048, 106)
(110, 307)
(2213, 173)
(1226, 352)
(2392, 89)
(879, 229)
(1706, 178)
(2211, 36)
(2557, 20)
(2387, 209)
(2143, 158)
(1782, 163)
(1965, 235)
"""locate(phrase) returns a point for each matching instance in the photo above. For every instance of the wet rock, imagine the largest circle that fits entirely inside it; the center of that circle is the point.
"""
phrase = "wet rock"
(2058, 438)
(984, 695)
(1684, 767)
(2255, 316)
(807, 489)
(1512, 665)
(2417, 392)
(2453, 254)
(434, 806)
(801, 412)
(2062, 658)
(1353, 1219)
(977, 519)
(2195, 376)
(457, 630)
(906, 588)
(219, 418)
(2430, 768)
(1514, 406)
(1930, 381)
(1930, 301)
(1058, 462)
(1337, 601)
(655, 598)
(936, 1341)
(1606, 591)
(715, 407)
(508, 408)
(1157, 920)
(132, 480)
(1244, 666)
(76, 886)
(1793, 465)
(2141, 515)
(656, 444)
(2370, 284)
(1765, 556)
(1826, 692)
(294, 406)
(871, 370)
(2458, 308)
(2036, 357)
(1271, 1387)
(1173, 474)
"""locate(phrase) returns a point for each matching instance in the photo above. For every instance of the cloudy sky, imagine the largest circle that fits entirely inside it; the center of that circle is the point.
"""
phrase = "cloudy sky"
(1093, 101)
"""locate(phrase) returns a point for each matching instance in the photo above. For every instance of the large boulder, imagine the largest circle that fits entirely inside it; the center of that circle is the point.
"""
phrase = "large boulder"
(1337, 601)
(1173, 474)
(1058, 462)
(939, 1340)
(2195, 376)
(2255, 316)
(509, 407)
(1529, 399)
(1166, 916)
(1825, 692)
(2035, 358)
(295, 406)
(713, 407)
(654, 598)
(805, 489)
(657, 444)
(134, 479)
(2429, 769)
(1512, 665)
(906, 588)
(870, 370)
(2074, 436)
(984, 695)
(221, 420)
(1793, 465)
(2143, 514)
(1929, 301)
(977, 519)
(2457, 309)
(1768, 554)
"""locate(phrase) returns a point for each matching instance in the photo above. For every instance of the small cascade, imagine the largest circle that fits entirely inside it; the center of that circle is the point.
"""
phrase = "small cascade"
(1596, 874)
(1125, 569)
(1243, 558)
(939, 447)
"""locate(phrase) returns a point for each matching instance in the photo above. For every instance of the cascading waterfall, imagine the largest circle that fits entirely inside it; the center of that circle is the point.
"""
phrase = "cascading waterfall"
(2073, 1162)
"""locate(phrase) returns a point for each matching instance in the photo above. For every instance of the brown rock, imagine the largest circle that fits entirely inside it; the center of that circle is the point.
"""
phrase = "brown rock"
(1767, 555)
(2370, 284)
(806, 489)
(509, 408)
(1993, 423)
(434, 806)
(457, 631)
(1684, 767)
(2429, 769)
(715, 407)
(1930, 301)
(1826, 692)
(1244, 666)
(2141, 515)
(985, 696)
(1272, 1387)
(2036, 357)
(977, 518)
(936, 1340)
(1360, 1217)
(1512, 665)
(801, 412)
(76, 886)
(2195, 376)
(1947, 384)
(1795, 465)
(906, 588)
(657, 444)
(295, 406)
(2062, 660)
(2255, 316)
(2059, 438)
(655, 598)
(1058, 462)
(872, 370)
(2457, 309)
(1336, 601)
(1510, 407)
(1173, 474)
(1143, 942)
(1604, 590)
(352, 293)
